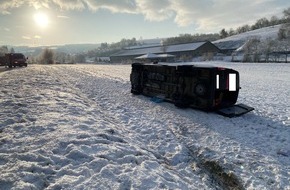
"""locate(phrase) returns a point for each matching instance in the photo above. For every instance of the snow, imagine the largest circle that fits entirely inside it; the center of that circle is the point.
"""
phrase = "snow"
(79, 127)
(236, 42)
(262, 33)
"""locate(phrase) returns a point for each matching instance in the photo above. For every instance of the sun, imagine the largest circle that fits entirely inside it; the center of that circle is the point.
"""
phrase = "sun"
(41, 19)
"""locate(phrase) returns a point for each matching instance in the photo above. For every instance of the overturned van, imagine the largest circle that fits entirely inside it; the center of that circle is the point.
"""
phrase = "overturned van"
(202, 87)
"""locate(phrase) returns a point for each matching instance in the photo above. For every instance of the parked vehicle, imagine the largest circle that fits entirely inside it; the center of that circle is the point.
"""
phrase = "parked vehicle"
(202, 87)
(16, 59)
(3, 60)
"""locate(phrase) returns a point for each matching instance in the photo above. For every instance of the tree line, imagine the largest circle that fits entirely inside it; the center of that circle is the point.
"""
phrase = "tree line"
(5, 49)
(189, 38)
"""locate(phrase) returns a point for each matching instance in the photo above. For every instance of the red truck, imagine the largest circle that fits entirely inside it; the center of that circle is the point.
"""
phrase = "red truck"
(15, 59)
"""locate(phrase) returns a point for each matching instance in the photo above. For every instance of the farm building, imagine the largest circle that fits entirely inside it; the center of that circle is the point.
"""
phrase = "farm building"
(180, 51)
(228, 47)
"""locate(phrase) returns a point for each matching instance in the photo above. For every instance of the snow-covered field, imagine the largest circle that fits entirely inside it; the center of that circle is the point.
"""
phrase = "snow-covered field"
(79, 127)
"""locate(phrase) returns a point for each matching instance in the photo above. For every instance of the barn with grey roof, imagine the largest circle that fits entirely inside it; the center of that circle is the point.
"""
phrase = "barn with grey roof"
(190, 50)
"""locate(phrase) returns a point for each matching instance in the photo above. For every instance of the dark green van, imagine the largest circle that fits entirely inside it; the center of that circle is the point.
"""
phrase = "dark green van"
(203, 87)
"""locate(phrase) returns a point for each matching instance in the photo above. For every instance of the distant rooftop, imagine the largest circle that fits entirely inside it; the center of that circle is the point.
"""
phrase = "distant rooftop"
(160, 49)
(231, 44)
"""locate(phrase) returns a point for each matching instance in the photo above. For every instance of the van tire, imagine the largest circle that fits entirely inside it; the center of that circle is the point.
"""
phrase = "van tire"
(200, 89)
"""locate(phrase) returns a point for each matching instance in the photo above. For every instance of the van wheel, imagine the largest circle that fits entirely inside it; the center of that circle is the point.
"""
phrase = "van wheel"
(200, 89)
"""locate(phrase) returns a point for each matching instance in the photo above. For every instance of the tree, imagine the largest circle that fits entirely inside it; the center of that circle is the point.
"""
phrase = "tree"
(104, 46)
(231, 32)
(263, 22)
(12, 50)
(243, 29)
(268, 47)
(80, 58)
(286, 13)
(47, 56)
(282, 33)
(274, 20)
(60, 57)
(284, 36)
(3, 50)
(188, 38)
(251, 50)
(223, 33)
(163, 47)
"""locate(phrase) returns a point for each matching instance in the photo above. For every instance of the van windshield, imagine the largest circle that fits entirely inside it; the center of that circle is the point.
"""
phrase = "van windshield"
(18, 56)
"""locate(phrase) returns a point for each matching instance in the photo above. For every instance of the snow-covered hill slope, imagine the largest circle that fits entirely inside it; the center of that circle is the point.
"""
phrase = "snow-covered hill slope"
(262, 33)
(237, 41)
(79, 127)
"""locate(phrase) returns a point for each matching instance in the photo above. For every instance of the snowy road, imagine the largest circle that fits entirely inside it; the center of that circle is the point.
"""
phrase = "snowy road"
(79, 127)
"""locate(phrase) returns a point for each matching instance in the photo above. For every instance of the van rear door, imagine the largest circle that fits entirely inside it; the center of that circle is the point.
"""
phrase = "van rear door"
(235, 110)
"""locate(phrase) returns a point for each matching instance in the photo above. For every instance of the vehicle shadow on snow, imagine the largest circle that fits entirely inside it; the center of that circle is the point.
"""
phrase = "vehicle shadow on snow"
(254, 132)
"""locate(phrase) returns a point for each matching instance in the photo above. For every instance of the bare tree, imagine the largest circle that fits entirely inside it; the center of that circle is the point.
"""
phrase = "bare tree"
(274, 20)
(243, 29)
(286, 13)
(267, 47)
(231, 32)
(223, 33)
(47, 56)
(59, 57)
(12, 50)
(251, 50)
(80, 58)
(3, 50)
(163, 46)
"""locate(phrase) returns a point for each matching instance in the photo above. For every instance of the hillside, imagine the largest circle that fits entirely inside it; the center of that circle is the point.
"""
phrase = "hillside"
(66, 48)
(75, 48)
(236, 41)
(263, 33)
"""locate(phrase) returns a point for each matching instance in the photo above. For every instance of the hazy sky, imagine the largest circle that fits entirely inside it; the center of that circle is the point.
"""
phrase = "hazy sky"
(50, 22)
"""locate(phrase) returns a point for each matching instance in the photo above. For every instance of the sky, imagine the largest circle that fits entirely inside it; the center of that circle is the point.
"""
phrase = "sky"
(56, 22)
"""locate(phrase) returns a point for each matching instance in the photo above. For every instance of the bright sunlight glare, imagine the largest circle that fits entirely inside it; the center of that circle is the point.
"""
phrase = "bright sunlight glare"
(41, 19)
